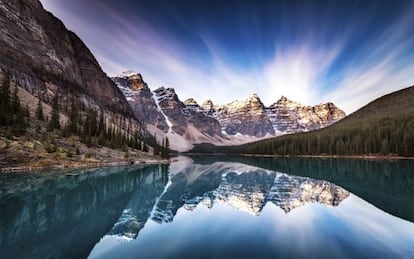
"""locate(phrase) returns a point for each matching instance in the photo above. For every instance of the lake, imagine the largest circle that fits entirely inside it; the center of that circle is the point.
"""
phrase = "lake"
(212, 207)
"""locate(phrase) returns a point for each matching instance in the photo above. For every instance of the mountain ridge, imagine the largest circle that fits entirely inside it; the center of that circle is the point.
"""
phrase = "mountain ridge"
(44, 57)
(237, 122)
(383, 127)
(58, 105)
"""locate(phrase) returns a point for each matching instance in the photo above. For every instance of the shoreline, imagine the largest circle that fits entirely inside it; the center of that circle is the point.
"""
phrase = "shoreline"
(308, 156)
(335, 157)
(90, 165)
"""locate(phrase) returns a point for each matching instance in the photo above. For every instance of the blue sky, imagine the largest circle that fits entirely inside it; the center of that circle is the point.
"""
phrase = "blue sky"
(348, 52)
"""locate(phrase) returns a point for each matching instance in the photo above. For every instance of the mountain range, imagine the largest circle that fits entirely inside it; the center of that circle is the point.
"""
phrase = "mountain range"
(241, 121)
(45, 60)
(384, 127)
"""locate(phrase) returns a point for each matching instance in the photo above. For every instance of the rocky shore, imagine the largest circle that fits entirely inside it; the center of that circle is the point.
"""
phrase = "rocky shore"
(24, 155)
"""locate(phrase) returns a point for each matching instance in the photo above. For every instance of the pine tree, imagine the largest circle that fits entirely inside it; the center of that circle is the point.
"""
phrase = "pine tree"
(15, 101)
(140, 144)
(5, 100)
(93, 123)
(137, 141)
(73, 118)
(167, 148)
(123, 139)
(26, 116)
(55, 117)
(109, 134)
(86, 133)
(112, 137)
(101, 126)
(101, 138)
(39, 111)
(162, 151)
(145, 147)
(101, 129)
(155, 151)
(19, 116)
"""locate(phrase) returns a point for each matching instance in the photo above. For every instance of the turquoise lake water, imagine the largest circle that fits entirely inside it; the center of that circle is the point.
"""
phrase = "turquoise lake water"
(213, 207)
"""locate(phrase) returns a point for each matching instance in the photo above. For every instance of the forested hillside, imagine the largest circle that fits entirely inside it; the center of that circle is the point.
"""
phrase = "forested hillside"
(383, 127)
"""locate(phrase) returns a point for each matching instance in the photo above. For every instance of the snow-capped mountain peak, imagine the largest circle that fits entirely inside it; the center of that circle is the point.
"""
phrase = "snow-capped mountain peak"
(237, 122)
(128, 73)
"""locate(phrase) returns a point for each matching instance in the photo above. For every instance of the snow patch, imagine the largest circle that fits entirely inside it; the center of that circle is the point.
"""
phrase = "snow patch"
(169, 123)
(127, 74)
(128, 93)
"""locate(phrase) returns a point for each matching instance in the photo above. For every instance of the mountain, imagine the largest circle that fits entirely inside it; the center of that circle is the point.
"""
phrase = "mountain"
(180, 116)
(383, 127)
(141, 99)
(52, 70)
(164, 115)
(241, 121)
(288, 116)
(250, 117)
(44, 58)
(246, 117)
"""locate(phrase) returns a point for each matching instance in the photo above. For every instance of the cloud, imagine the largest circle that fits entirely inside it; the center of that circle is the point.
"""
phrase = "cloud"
(383, 67)
(315, 67)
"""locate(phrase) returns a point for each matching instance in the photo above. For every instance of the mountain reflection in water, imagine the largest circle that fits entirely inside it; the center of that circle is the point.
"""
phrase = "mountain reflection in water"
(59, 215)
(243, 187)
(234, 210)
(210, 207)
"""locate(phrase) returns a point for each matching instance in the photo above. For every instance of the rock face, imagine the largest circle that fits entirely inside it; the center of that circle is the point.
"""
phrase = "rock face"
(186, 120)
(241, 121)
(172, 108)
(288, 116)
(141, 99)
(246, 117)
(163, 114)
(46, 59)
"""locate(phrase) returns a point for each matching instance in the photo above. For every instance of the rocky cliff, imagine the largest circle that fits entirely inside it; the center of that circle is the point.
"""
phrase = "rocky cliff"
(240, 121)
(44, 58)
(163, 114)
(141, 99)
(246, 117)
(287, 116)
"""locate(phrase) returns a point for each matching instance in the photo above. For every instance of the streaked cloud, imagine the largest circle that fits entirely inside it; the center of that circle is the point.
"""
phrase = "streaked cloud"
(349, 56)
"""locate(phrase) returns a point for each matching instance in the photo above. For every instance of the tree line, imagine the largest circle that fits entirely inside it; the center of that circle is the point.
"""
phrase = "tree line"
(92, 129)
(12, 114)
(385, 136)
(89, 124)
(163, 149)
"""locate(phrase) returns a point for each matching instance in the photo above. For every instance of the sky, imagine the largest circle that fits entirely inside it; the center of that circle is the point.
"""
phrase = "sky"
(346, 52)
